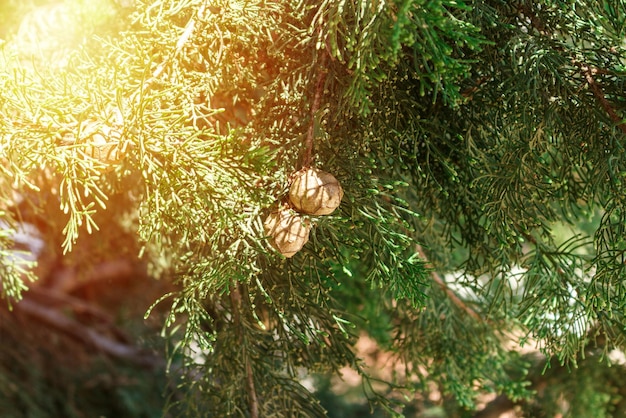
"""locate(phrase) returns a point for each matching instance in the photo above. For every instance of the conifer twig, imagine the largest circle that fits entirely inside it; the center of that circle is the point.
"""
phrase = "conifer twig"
(254, 403)
(449, 293)
(589, 72)
(235, 298)
(182, 40)
(317, 99)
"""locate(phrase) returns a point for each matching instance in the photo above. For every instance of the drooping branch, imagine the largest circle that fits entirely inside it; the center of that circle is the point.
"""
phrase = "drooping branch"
(589, 72)
(449, 293)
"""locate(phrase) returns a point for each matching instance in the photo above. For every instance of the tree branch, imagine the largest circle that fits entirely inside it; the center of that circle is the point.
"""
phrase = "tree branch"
(254, 403)
(449, 293)
(50, 297)
(589, 72)
(182, 40)
(87, 335)
(317, 99)
(235, 298)
(65, 280)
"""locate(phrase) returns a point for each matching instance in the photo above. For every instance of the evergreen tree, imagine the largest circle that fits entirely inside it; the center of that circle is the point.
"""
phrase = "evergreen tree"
(476, 149)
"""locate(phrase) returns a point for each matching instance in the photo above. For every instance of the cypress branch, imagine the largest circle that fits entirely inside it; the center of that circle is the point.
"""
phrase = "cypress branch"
(169, 131)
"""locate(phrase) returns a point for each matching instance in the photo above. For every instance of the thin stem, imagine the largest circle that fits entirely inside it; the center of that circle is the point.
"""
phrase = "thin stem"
(180, 44)
(589, 72)
(317, 99)
(235, 298)
(254, 403)
(449, 293)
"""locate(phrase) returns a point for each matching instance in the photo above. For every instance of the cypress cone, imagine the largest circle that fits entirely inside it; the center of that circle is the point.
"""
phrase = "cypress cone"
(289, 232)
(315, 192)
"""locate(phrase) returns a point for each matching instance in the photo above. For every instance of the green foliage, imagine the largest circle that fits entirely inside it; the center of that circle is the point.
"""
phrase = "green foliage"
(372, 38)
(16, 268)
(461, 132)
(594, 388)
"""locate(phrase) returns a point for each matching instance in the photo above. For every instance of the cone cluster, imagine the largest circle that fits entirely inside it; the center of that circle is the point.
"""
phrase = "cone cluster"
(312, 192)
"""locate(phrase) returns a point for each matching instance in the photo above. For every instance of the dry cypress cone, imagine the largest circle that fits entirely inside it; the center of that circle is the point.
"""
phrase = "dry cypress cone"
(288, 231)
(315, 192)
